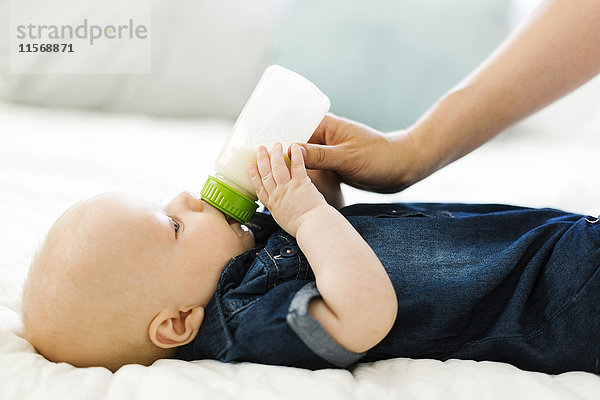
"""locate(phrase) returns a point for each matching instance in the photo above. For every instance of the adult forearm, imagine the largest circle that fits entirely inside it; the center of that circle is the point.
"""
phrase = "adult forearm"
(554, 52)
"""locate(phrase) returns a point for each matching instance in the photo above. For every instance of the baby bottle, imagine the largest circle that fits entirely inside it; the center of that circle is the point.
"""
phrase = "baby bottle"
(284, 107)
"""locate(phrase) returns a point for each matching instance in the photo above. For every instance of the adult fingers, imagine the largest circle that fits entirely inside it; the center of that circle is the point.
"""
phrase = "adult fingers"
(328, 124)
(317, 156)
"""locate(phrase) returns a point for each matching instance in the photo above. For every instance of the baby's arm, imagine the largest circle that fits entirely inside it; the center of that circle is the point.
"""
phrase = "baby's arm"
(358, 303)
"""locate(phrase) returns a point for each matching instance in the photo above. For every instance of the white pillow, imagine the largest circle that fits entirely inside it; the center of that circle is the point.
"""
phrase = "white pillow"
(206, 57)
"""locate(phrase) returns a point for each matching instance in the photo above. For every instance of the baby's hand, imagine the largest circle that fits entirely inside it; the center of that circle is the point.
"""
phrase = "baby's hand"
(288, 194)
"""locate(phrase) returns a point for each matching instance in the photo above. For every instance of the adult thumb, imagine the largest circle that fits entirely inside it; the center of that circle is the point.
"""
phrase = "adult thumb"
(318, 156)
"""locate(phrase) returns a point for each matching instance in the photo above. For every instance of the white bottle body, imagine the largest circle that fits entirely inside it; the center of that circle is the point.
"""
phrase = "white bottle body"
(284, 107)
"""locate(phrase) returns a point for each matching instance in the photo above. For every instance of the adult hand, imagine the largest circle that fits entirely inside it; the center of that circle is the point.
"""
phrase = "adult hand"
(554, 52)
(362, 156)
(328, 183)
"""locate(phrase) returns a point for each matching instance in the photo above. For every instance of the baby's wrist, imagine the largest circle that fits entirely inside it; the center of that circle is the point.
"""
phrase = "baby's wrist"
(318, 214)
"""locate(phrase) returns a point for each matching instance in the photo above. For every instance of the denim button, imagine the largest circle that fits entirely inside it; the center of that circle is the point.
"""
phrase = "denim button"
(288, 251)
(228, 287)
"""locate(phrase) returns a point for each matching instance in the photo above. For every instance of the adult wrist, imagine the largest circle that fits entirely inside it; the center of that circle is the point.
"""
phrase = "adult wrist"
(435, 139)
(408, 155)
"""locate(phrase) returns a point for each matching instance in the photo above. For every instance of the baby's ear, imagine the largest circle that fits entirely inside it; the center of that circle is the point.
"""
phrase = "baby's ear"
(174, 328)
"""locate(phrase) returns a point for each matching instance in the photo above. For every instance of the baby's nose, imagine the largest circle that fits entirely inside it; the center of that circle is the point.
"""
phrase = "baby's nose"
(189, 201)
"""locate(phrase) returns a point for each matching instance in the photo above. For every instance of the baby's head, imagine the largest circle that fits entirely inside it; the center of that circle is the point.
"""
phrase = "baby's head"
(123, 280)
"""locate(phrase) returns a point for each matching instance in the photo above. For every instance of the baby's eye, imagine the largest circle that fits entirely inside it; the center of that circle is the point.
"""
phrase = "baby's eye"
(176, 226)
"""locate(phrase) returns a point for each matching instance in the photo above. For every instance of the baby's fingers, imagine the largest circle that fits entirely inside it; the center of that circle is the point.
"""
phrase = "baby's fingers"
(257, 183)
(297, 167)
(278, 167)
(264, 168)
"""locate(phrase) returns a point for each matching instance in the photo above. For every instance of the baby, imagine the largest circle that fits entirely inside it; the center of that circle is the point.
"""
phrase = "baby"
(123, 280)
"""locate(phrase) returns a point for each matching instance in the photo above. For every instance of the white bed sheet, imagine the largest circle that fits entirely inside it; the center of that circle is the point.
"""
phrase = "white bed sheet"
(50, 159)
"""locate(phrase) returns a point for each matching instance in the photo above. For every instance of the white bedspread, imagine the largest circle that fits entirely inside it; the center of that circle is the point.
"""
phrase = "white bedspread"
(50, 159)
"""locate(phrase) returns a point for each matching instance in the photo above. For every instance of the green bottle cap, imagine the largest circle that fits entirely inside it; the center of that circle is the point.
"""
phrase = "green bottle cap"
(227, 199)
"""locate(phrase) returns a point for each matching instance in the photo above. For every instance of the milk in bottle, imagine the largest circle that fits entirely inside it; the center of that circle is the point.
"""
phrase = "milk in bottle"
(284, 107)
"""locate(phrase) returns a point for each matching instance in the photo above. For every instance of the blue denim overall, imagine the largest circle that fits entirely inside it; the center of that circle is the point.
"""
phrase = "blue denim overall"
(479, 282)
